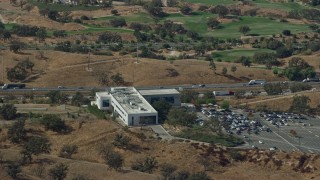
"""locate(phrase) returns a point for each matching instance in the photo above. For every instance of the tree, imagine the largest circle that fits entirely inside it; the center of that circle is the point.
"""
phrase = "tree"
(57, 97)
(182, 175)
(221, 10)
(275, 88)
(299, 69)
(68, 150)
(35, 146)
(283, 52)
(162, 107)
(117, 79)
(147, 164)
(58, 172)
(78, 99)
(167, 170)
(300, 104)
(213, 66)
(114, 12)
(224, 70)
(16, 46)
(114, 160)
(179, 116)
(13, 170)
(286, 32)
(53, 122)
(109, 37)
(199, 176)
(17, 132)
(8, 111)
(155, 11)
(244, 60)
(121, 140)
(234, 68)
(213, 23)
(244, 29)
(59, 33)
(186, 10)
(118, 22)
(41, 34)
(225, 105)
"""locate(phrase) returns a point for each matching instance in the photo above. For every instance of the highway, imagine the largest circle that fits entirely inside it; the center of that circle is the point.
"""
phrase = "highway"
(178, 87)
(206, 86)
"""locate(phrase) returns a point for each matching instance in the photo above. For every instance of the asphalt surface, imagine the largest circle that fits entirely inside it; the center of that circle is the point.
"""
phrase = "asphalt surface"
(280, 138)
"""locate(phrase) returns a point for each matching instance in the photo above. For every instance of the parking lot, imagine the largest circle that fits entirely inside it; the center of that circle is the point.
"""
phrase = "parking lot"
(273, 131)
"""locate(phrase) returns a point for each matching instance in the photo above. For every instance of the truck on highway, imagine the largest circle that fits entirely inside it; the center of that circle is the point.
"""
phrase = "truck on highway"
(311, 80)
(223, 93)
(257, 82)
(13, 86)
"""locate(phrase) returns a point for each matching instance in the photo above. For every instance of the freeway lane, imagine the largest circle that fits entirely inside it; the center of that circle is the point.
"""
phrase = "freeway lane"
(204, 86)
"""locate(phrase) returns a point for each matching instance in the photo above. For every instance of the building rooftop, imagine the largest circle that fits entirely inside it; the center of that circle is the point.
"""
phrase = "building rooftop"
(102, 94)
(158, 92)
(131, 100)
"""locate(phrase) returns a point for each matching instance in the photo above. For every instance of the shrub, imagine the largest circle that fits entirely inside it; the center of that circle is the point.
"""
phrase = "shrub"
(59, 171)
(147, 164)
(8, 111)
(53, 122)
(68, 150)
(118, 22)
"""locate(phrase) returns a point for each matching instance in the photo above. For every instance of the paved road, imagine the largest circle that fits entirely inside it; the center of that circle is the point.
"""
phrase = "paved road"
(281, 138)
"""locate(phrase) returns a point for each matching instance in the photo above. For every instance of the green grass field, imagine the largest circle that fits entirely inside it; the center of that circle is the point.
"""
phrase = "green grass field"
(232, 55)
(259, 3)
(281, 6)
(59, 7)
(196, 22)
(258, 25)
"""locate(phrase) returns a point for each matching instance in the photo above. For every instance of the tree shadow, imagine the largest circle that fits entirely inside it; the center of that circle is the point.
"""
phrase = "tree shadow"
(244, 78)
(232, 77)
(23, 53)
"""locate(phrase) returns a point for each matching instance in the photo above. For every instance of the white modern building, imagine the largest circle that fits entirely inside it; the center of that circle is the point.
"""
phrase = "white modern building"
(132, 106)
(172, 96)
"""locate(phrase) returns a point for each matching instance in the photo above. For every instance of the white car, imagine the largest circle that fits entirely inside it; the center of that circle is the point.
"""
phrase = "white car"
(260, 142)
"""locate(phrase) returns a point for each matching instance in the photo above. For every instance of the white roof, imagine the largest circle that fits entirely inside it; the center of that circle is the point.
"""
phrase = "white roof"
(102, 94)
(131, 100)
(158, 92)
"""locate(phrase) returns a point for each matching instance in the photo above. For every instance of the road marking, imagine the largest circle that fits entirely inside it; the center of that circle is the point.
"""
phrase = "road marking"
(317, 136)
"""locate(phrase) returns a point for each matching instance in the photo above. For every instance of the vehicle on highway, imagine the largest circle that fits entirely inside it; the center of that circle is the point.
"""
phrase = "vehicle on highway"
(223, 93)
(311, 80)
(60, 87)
(13, 86)
(260, 142)
(257, 82)
(202, 85)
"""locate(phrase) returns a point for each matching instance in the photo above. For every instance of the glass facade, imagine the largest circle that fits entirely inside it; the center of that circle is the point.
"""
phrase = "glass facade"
(106, 103)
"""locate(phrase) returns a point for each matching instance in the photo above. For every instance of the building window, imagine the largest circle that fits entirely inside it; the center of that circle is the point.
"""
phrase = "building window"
(106, 103)
(148, 120)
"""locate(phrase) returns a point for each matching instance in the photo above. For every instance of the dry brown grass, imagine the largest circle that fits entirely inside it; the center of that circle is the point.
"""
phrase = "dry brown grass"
(69, 69)
(283, 103)
(183, 155)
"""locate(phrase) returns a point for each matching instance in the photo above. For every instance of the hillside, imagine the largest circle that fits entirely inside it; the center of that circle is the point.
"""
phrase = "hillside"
(257, 164)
